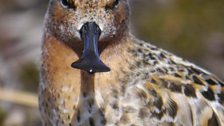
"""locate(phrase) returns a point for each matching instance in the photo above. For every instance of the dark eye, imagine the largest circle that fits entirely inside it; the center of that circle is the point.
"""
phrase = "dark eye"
(112, 5)
(68, 4)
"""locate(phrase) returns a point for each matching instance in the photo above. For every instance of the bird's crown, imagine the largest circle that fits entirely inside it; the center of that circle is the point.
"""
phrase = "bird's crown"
(66, 17)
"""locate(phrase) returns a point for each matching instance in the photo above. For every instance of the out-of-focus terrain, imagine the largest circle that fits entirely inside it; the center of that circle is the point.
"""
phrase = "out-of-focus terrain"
(192, 29)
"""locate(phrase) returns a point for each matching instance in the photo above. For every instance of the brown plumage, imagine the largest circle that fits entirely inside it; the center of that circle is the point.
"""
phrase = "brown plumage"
(146, 86)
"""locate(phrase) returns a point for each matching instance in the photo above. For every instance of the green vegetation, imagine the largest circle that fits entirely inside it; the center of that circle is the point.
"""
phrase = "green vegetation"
(2, 116)
(29, 76)
(181, 26)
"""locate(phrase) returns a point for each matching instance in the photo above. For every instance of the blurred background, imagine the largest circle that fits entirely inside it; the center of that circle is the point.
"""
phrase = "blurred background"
(193, 29)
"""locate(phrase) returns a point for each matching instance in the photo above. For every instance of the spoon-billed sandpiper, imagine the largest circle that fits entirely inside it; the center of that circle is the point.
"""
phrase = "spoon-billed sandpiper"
(96, 73)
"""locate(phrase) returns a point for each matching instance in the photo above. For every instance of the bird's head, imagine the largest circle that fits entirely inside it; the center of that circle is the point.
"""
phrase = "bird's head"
(93, 23)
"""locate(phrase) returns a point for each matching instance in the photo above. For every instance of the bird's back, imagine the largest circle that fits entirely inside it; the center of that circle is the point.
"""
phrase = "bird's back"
(162, 89)
(141, 85)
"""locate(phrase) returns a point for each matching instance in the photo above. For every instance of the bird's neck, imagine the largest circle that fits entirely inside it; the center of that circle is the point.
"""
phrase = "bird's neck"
(68, 83)
(57, 58)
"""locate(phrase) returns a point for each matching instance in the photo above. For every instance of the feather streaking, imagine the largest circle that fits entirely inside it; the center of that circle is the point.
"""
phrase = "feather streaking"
(146, 86)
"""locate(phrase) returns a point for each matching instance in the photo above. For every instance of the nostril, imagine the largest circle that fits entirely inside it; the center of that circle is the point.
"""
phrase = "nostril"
(84, 29)
(98, 29)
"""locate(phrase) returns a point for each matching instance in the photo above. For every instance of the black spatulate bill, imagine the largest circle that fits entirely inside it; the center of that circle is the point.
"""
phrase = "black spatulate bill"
(90, 61)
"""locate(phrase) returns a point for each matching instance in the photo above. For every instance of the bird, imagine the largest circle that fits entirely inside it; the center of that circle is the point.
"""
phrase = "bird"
(95, 72)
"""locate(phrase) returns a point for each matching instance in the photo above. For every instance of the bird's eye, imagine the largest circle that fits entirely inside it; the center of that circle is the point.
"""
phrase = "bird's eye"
(112, 5)
(68, 4)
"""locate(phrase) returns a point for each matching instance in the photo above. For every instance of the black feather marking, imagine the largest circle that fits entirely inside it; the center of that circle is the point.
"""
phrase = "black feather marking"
(172, 111)
(197, 80)
(78, 115)
(91, 122)
(211, 81)
(175, 88)
(158, 115)
(221, 97)
(213, 121)
(209, 94)
(197, 71)
(189, 90)
(221, 83)
(158, 103)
